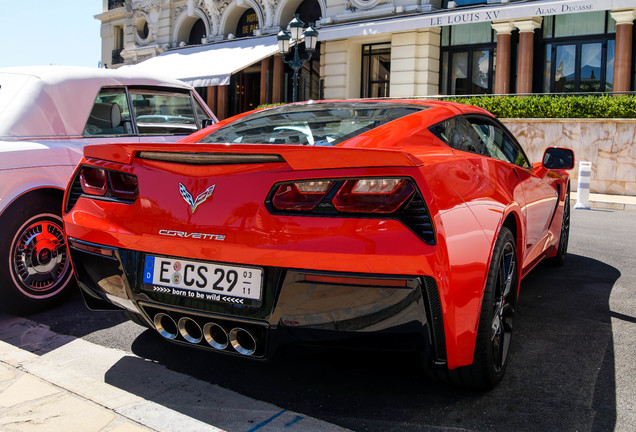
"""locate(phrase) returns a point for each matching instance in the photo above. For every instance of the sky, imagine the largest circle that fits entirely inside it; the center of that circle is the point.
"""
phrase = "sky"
(50, 32)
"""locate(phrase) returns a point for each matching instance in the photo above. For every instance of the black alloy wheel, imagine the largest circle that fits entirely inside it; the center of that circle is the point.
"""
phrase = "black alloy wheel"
(502, 309)
(496, 323)
(564, 237)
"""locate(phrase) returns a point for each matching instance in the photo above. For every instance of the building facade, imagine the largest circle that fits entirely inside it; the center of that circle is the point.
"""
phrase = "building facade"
(376, 48)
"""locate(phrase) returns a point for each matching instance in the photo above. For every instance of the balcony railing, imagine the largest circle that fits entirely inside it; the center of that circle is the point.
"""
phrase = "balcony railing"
(114, 4)
(117, 58)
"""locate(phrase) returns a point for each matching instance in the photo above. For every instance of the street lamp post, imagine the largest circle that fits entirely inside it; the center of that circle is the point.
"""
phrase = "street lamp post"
(284, 44)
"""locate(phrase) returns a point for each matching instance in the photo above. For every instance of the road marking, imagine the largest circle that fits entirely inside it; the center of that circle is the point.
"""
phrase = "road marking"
(269, 420)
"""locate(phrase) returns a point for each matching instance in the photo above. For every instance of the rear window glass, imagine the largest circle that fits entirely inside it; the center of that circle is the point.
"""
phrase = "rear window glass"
(322, 124)
(154, 112)
(163, 113)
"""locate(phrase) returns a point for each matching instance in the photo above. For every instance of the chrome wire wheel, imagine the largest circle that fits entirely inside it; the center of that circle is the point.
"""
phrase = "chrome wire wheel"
(503, 309)
(38, 258)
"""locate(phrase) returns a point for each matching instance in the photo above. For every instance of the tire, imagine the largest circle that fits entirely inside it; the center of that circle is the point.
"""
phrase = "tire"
(35, 269)
(564, 238)
(496, 321)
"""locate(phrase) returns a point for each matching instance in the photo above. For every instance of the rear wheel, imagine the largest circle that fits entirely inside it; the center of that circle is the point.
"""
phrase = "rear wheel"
(494, 334)
(35, 269)
(559, 258)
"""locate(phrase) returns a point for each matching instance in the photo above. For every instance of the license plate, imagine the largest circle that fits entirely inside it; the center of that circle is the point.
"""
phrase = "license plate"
(208, 281)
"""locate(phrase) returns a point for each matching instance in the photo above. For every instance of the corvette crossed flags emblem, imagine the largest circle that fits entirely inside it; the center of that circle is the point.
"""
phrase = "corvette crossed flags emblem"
(194, 203)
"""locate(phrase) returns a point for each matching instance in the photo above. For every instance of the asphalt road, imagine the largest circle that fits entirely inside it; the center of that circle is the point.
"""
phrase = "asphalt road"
(573, 364)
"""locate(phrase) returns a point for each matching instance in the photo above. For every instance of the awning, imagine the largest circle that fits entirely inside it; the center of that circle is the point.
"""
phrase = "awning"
(210, 65)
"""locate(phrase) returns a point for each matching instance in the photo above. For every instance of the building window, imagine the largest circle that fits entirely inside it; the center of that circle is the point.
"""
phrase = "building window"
(376, 70)
(579, 53)
(197, 33)
(118, 45)
(247, 24)
(468, 53)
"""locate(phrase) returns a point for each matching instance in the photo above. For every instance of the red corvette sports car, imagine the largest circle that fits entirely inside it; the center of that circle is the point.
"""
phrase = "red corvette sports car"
(402, 224)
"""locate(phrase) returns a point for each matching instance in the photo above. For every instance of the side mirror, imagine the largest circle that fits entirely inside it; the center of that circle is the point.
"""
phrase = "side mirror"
(206, 122)
(558, 158)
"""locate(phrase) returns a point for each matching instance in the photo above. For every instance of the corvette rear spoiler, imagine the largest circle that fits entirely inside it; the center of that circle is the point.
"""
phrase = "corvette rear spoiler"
(297, 157)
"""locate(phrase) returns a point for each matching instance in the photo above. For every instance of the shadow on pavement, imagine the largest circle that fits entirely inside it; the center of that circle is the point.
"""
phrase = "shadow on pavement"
(561, 375)
(43, 332)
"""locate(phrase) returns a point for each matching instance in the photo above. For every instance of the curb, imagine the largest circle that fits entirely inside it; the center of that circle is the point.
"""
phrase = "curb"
(607, 202)
(53, 382)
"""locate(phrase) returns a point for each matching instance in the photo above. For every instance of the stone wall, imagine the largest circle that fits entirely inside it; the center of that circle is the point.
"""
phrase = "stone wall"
(607, 143)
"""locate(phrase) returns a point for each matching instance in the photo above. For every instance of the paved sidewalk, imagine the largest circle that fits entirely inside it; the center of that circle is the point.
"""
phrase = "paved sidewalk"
(608, 202)
(55, 383)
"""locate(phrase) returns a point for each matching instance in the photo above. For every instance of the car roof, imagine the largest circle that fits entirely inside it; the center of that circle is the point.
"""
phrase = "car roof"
(44, 101)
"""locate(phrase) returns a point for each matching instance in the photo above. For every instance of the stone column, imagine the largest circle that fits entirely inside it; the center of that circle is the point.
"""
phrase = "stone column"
(336, 64)
(265, 68)
(415, 63)
(623, 51)
(502, 67)
(526, 50)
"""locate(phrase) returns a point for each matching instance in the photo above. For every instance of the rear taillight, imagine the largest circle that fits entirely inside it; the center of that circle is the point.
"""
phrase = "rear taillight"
(376, 195)
(123, 186)
(304, 195)
(362, 195)
(109, 184)
(94, 181)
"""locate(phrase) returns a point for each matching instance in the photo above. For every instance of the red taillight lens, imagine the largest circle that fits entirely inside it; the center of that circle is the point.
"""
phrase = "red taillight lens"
(100, 182)
(123, 186)
(304, 195)
(94, 181)
(373, 195)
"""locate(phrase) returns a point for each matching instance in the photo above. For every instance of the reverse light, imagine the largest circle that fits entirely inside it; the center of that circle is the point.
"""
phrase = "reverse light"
(305, 195)
(377, 195)
(377, 186)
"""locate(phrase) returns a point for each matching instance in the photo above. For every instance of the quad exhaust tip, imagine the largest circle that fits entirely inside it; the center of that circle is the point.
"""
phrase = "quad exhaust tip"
(190, 330)
(241, 340)
(165, 325)
(215, 336)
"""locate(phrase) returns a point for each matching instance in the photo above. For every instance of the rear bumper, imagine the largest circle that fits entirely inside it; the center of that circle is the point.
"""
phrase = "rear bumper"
(292, 309)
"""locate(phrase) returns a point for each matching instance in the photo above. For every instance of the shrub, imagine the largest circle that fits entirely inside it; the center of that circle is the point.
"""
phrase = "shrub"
(623, 106)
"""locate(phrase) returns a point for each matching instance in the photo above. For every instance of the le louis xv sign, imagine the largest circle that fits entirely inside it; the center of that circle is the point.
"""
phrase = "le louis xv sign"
(448, 17)
(512, 12)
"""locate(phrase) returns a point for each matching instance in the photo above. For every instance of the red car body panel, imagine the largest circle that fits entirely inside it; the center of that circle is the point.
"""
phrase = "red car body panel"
(469, 198)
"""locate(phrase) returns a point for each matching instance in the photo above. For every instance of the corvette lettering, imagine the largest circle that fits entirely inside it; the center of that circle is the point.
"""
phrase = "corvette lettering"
(194, 235)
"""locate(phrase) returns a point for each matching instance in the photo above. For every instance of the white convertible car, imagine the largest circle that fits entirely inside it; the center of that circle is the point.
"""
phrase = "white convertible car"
(47, 116)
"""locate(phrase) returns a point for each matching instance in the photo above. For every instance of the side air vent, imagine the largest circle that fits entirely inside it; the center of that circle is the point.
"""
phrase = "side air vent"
(74, 193)
(210, 158)
(417, 217)
(435, 318)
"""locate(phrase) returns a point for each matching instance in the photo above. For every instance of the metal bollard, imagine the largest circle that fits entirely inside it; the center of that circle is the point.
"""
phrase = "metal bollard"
(583, 189)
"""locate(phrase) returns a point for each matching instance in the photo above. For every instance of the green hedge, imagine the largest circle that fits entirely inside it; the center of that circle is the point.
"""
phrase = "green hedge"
(555, 106)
